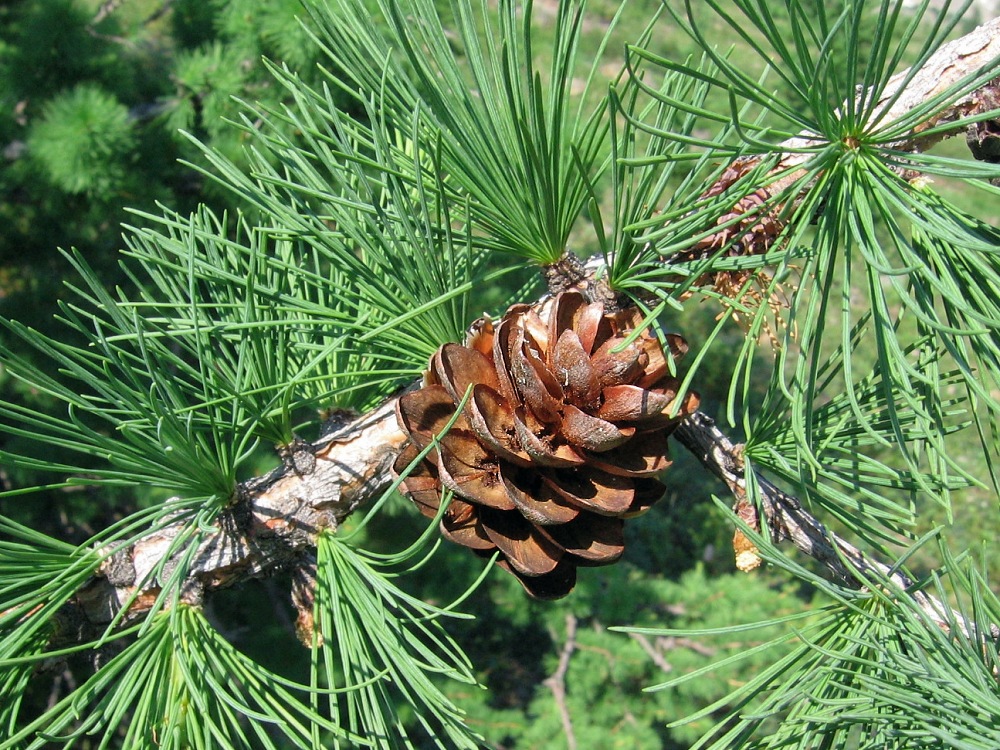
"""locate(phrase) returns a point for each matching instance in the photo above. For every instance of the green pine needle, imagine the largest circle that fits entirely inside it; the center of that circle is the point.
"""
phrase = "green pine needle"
(179, 684)
(513, 138)
(869, 670)
(387, 649)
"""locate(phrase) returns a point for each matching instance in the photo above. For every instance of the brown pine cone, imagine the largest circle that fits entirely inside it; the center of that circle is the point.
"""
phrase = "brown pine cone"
(561, 438)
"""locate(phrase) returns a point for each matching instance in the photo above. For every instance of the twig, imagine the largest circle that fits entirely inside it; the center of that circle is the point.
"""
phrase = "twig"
(106, 9)
(103, 13)
(557, 681)
(674, 642)
(654, 655)
(788, 520)
(158, 13)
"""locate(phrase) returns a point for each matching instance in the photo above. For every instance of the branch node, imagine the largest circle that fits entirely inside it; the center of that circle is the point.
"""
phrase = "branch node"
(298, 457)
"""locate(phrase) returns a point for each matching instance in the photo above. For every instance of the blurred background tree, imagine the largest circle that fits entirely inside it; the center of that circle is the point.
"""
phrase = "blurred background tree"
(95, 96)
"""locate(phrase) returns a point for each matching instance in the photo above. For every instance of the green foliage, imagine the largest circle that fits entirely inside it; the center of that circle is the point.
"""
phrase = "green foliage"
(175, 65)
(409, 271)
(522, 151)
(207, 79)
(84, 142)
(372, 635)
(852, 154)
(872, 669)
(179, 685)
(134, 381)
(39, 575)
(364, 211)
(835, 457)
(49, 50)
(277, 28)
(603, 664)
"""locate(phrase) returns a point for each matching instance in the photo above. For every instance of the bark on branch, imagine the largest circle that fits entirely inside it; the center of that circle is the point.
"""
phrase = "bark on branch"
(786, 520)
(274, 521)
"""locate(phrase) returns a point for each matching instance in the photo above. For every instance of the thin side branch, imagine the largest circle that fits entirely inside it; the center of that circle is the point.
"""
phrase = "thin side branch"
(557, 681)
(652, 652)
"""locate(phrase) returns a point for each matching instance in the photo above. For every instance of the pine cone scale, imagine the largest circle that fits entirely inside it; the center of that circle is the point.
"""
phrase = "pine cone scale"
(594, 490)
(461, 524)
(539, 389)
(592, 433)
(592, 539)
(574, 370)
(631, 403)
(470, 471)
(563, 431)
(538, 502)
(492, 419)
(529, 552)
(643, 456)
(457, 368)
(540, 445)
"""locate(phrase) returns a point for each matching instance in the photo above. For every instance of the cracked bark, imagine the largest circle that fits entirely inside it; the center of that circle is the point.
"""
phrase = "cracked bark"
(274, 520)
(272, 524)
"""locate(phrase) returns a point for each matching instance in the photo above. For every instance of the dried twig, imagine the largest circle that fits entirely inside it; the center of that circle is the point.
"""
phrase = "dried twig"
(652, 652)
(105, 10)
(556, 682)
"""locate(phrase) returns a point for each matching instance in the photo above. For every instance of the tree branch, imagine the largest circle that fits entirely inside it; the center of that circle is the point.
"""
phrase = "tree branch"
(274, 520)
(272, 523)
(787, 520)
(556, 682)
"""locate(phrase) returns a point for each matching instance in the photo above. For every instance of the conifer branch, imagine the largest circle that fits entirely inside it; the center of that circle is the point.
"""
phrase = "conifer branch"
(976, 51)
(787, 520)
(272, 523)
(274, 520)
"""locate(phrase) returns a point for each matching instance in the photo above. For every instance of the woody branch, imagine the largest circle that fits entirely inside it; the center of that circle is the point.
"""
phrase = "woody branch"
(274, 520)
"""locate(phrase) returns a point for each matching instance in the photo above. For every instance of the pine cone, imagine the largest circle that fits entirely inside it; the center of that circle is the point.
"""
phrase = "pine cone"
(560, 440)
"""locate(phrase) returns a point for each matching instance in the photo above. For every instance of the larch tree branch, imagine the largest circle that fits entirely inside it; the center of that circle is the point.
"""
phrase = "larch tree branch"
(273, 521)
(785, 519)
(976, 51)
